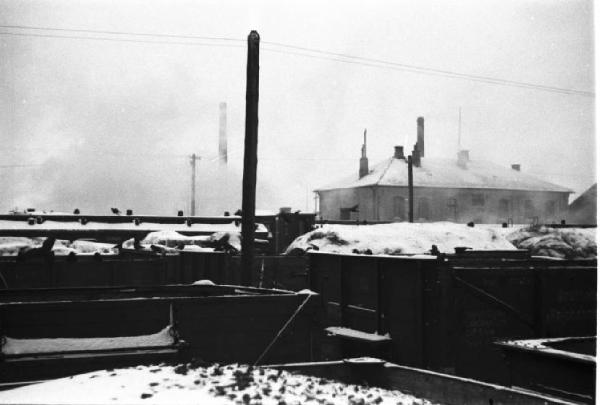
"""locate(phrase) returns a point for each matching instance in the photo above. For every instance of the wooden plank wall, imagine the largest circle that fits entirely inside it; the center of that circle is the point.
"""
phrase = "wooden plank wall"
(445, 315)
(220, 328)
(282, 272)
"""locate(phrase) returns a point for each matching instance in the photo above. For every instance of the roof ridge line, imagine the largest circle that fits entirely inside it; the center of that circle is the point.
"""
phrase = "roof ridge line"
(384, 171)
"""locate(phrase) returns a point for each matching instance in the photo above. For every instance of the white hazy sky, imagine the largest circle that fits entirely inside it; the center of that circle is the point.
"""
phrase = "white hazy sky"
(108, 123)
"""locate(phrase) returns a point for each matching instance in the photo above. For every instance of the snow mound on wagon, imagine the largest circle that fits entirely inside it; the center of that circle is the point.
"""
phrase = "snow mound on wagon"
(401, 238)
(209, 385)
(562, 243)
(13, 246)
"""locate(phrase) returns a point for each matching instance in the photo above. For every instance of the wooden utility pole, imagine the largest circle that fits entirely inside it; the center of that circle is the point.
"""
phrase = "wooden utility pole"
(410, 190)
(193, 159)
(250, 158)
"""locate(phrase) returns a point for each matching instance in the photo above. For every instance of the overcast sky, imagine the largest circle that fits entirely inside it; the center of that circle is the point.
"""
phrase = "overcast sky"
(109, 123)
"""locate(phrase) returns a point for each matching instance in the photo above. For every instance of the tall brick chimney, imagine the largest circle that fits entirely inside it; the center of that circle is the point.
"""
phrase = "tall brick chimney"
(363, 169)
(222, 133)
(421, 135)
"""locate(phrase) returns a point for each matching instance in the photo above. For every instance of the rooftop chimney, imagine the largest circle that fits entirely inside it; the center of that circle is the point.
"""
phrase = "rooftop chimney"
(516, 166)
(223, 133)
(421, 135)
(363, 169)
(416, 156)
(463, 158)
(399, 152)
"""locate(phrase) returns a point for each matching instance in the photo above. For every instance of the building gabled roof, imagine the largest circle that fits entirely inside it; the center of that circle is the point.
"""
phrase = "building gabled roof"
(588, 197)
(446, 173)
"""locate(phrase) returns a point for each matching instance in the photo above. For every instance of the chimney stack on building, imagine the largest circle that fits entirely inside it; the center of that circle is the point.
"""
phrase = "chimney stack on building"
(463, 158)
(421, 136)
(516, 166)
(363, 169)
(399, 152)
(416, 156)
(222, 133)
(419, 148)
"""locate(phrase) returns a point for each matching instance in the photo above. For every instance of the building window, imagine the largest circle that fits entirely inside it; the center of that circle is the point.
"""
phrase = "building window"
(503, 210)
(529, 209)
(477, 200)
(451, 209)
(399, 204)
(550, 208)
(423, 211)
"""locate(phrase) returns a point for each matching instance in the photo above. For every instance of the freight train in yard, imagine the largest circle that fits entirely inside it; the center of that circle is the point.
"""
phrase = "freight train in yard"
(440, 318)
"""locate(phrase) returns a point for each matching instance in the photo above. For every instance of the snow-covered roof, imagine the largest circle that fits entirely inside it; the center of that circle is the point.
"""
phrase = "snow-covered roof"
(446, 173)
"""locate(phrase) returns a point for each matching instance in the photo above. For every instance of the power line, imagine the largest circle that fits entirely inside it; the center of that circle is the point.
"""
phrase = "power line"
(142, 41)
(312, 53)
(102, 153)
(436, 72)
(427, 69)
(145, 34)
(11, 166)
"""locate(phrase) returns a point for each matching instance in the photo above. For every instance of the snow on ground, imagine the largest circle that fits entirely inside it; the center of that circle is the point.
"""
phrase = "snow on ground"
(563, 243)
(24, 346)
(189, 384)
(401, 238)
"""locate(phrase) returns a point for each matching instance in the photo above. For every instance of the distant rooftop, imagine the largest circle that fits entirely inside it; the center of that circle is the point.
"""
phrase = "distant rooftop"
(446, 173)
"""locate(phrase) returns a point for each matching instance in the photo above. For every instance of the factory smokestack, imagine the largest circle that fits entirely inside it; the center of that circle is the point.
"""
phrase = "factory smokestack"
(421, 135)
(363, 169)
(223, 133)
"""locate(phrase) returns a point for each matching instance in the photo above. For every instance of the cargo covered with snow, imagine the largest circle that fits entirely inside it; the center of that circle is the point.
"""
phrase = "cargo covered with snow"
(400, 238)
(165, 241)
(562, 243)
(352, 381)
(405, 238)
(214, 384)
(13, 246)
